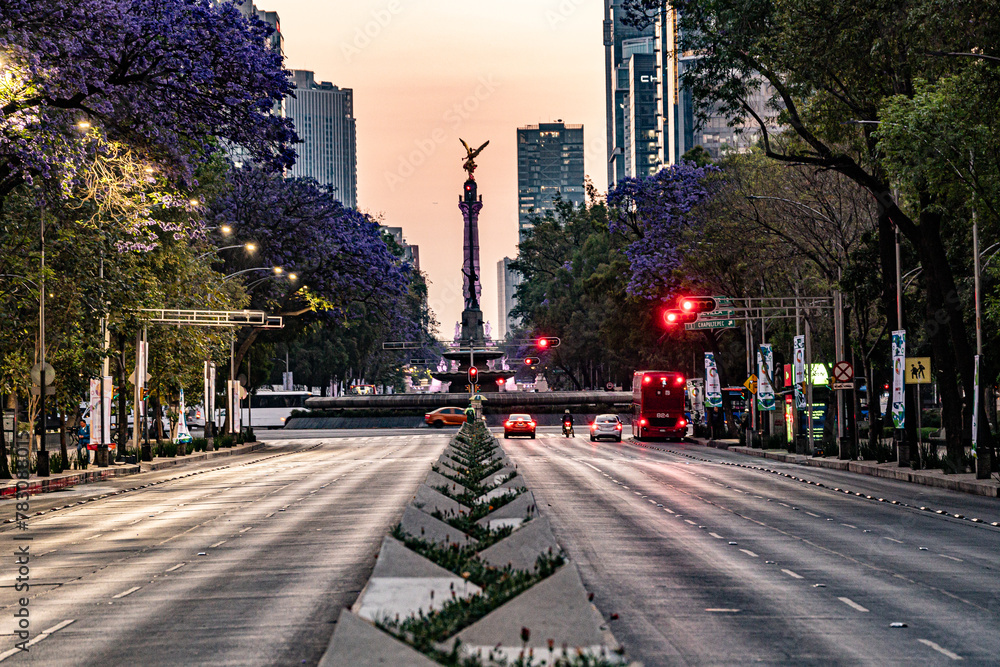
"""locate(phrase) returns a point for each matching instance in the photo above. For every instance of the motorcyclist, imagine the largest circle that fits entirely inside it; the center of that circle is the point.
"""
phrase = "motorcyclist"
(567, 422)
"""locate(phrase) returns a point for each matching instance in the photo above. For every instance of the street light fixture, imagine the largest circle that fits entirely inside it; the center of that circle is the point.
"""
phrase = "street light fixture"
(250, 248)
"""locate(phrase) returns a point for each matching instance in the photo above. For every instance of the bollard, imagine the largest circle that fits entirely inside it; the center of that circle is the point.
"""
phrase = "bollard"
(102, 456)
(147, 452)
(43, 463)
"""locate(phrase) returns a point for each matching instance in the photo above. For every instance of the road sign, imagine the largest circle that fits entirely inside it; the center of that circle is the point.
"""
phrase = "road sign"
(36, 374)
(840, 386)
(918, 370)
(709, 324)
(751, 384)
(843, 372)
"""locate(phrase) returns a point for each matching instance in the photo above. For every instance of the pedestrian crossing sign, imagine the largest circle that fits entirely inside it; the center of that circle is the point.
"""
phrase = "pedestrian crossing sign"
(918, 370)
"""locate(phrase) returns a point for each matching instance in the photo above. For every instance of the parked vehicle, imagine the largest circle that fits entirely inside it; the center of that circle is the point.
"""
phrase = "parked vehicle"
(606, 426)
(519, 424)
(445, 417)
(658, 405)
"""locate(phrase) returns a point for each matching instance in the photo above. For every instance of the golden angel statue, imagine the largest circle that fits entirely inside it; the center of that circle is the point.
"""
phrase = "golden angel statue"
(471, 155)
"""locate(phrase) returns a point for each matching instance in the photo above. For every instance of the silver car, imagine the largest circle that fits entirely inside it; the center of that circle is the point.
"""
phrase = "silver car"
(606, 426)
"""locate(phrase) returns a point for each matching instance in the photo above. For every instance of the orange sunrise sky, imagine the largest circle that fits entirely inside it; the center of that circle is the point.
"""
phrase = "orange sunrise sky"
(425, 74)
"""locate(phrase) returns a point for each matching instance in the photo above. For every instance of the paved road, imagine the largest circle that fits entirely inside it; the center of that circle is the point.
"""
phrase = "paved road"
(247, 564)
(710, 563)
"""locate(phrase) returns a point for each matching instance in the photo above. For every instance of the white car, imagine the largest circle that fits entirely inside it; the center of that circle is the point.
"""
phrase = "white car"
(606, 426)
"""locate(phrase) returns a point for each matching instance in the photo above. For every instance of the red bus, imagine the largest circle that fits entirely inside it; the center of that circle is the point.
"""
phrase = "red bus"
(658, 405)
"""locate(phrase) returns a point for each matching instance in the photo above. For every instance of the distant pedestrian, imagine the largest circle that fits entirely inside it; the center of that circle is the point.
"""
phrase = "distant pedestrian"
(83, 439)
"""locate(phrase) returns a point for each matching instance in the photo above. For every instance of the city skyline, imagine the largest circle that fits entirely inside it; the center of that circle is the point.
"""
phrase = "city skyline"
(419, 83)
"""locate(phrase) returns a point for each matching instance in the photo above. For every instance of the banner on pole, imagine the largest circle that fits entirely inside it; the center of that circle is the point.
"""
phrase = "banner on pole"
(233, 405)
(799, 370)
(713, 390)
(107, 392)
(183, 434)
(94, 412)
(765, 371)
(898, 378)
(208, 400)
(975, 410)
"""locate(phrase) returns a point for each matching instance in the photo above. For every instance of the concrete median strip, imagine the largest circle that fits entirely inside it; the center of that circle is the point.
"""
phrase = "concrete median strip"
(473, 561)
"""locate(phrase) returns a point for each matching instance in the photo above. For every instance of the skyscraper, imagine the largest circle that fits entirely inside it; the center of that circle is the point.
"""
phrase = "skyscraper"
(621, 44)
(549, 164)
(507, 282)
(324, 119)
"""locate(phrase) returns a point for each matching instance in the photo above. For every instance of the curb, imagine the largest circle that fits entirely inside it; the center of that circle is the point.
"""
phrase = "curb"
(50, 484)
(988, 488)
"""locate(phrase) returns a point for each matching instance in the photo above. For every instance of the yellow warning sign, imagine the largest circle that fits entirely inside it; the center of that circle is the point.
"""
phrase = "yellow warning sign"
(751, 384)
(918, 370)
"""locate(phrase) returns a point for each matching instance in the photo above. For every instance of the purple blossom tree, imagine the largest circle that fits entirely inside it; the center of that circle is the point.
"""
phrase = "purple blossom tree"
(338, 255)
(169, 78)
(653, 211)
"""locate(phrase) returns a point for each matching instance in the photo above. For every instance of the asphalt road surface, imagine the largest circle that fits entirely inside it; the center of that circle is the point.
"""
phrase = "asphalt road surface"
(243, 561)
(712, 558)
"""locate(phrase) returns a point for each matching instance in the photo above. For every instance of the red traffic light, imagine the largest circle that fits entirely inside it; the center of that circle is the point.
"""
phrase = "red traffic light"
(546, 342)
(532, 361)
(696, 304)
(673, 317)
(473, 373)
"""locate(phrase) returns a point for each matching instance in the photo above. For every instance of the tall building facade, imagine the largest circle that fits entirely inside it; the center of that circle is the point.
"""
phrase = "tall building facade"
(622, 44)
(549, 165)
(650, 113)
(324, 120)
(507, 282)
(411, 253)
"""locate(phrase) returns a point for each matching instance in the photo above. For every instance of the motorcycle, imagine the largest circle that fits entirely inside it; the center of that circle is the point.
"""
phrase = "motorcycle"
(567, 429)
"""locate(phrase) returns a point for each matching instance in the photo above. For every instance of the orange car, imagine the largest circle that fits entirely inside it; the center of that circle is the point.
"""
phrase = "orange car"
(445, 416)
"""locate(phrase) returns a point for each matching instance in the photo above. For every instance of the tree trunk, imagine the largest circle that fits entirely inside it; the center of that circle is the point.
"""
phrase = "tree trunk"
(62, 440)
(4, 457)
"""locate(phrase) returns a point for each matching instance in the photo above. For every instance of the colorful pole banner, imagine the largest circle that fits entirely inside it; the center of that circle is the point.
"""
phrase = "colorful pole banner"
(799, 372)
(208, 402)
(107, 393)
(233, 407)
(94, 412)
(183, 434)
(713, 390)
(898, 378)
(975, 411)
(765, 371)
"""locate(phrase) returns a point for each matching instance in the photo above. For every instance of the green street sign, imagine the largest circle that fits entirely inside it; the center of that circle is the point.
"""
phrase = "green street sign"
(710, 324)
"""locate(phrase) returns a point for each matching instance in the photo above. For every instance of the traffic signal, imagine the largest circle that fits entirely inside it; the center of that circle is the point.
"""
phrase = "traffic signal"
(473, 375)
(532, 361)
(674, 317)
(696, 304)
(547, 342)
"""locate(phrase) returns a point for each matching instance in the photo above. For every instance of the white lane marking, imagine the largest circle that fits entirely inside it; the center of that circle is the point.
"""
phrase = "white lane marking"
(849, 525)
(716, 610)
(716, 536)
(42, 635)
(852, 604)
(128, 592)
(94, 537)
(667, 509)
(778, 503)
(690, 522)
(811, 514)
(940, 649)
(266, 516)
(793, 575)
(217, 544)
(749, 553)
(242, 530)
(957, 560)
(176, 567)
(895, 540)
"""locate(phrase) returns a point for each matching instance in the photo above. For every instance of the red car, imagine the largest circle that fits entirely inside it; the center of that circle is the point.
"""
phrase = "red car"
(519, 425)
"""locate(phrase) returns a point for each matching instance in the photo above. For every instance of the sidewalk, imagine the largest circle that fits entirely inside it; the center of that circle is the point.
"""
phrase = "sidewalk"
(964, 483)
(69, 478)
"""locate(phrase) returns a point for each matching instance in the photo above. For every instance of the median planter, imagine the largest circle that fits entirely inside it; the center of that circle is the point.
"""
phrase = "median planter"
(473, 576)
